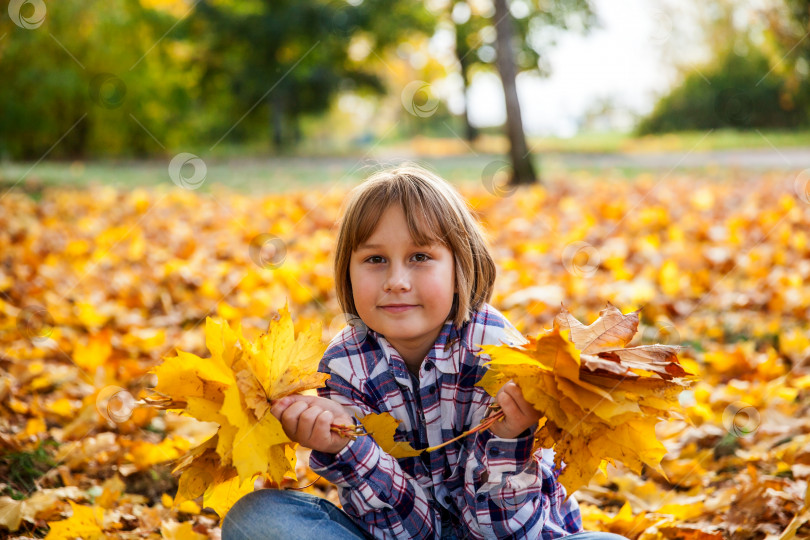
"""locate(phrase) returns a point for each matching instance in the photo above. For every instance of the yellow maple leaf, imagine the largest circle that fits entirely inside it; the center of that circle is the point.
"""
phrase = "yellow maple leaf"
(173, 530)
(233, 388)
(623, 522)
(253, 439)
(86, 523)
(284, 365)
(93, 354)
(222, 495)
(188, 375)
(382, 428)
(112, 489)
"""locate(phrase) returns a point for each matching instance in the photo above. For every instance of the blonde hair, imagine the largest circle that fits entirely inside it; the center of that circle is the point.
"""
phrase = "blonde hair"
(435, 212)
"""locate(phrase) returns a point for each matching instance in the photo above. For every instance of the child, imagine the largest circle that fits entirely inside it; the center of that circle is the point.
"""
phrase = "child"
(412, 263)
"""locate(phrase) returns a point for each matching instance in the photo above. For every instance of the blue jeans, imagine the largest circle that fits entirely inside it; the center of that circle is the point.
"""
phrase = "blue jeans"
(272, 513)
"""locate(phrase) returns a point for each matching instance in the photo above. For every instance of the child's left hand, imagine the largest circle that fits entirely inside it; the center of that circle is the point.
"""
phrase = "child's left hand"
(519, 414)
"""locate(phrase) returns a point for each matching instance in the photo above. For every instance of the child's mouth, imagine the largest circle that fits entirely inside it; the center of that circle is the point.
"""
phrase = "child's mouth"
(397, 308)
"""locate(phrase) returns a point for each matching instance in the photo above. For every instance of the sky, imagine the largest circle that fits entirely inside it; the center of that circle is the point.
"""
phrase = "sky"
(620, 61)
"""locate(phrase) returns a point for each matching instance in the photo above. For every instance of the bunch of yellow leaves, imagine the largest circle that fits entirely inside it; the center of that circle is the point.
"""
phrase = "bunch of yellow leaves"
(234, 388)
(601, 399)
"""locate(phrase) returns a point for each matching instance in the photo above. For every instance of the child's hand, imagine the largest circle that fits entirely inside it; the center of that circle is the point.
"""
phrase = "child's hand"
(519, 415)
(307, 420)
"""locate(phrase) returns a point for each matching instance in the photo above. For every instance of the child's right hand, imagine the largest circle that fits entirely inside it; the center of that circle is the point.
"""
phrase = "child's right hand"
(307, 420)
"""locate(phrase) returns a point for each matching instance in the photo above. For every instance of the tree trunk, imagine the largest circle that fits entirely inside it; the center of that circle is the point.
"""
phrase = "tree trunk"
(462, 54)
(522, 169)
(277, 122)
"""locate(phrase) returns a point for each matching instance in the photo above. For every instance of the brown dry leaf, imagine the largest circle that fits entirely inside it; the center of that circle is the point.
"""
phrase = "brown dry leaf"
(612, 330)
(801, 517)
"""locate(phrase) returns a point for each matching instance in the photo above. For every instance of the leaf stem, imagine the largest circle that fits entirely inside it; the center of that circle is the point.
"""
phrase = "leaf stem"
(306, 486)
(350, 432)
(485, 424)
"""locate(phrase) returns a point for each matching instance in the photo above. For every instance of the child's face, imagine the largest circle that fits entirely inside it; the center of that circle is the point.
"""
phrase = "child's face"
(402, 290)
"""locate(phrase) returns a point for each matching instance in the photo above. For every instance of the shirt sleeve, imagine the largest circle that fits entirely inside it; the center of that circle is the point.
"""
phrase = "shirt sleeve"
(373, 488)
(511, 492)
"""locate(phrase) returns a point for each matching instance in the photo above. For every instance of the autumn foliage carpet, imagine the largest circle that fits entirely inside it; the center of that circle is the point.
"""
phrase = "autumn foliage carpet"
(96, 286)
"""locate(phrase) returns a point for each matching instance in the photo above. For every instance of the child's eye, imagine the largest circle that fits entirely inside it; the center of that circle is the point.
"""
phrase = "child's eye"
(421, 257)
(374, 259)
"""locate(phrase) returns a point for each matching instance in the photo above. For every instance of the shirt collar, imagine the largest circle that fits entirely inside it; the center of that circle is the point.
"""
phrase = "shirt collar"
(443, 354)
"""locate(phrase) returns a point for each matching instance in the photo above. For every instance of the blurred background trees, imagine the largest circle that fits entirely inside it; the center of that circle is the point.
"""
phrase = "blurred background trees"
(289, 58)
(756, 77)
(84, 75)
(140, 78)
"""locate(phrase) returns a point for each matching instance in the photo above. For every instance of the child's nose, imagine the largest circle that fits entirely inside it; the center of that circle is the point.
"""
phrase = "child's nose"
(397, 279)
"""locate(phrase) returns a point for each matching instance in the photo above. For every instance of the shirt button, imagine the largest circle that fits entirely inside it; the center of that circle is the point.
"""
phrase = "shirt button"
(494, 451)
(432, 389)
(447, 500)
(428, 366)
(481, 497)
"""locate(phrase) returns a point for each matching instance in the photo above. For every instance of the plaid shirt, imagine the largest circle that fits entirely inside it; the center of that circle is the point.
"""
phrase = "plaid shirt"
(481, 486)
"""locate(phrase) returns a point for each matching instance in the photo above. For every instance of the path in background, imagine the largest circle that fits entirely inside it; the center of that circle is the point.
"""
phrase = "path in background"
(290, 173)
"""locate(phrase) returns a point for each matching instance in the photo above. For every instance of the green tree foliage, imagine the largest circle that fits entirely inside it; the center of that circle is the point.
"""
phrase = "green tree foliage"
(737, 92)
(787, 28)
(92, 78)
(759, 78)
(796, 25)
(88, 79)
(290, 57)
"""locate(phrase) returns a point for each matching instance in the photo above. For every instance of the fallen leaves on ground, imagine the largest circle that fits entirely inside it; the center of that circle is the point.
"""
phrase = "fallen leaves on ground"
(98, 285)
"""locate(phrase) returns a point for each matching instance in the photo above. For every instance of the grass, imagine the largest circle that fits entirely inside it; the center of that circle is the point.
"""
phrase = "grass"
(22, 469)
(623, 143)
(247, 169)
(723, 139)
(699, 141)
